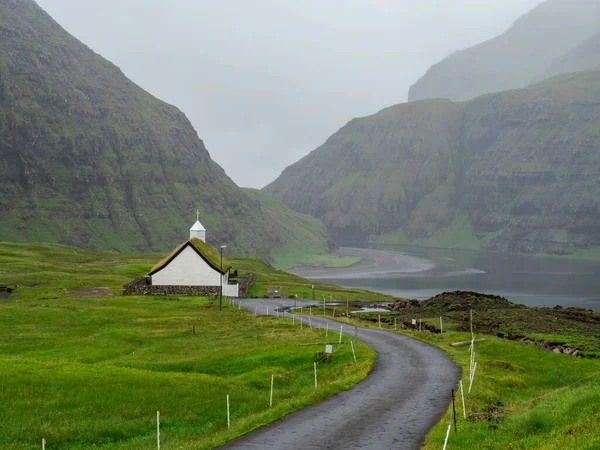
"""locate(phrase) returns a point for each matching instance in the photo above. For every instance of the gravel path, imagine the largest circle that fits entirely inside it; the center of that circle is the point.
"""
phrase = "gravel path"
(393, 408)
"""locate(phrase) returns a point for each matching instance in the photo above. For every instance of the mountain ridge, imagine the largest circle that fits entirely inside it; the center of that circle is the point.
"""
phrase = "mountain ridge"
(514, 59)
(89, 158)
(507, 171)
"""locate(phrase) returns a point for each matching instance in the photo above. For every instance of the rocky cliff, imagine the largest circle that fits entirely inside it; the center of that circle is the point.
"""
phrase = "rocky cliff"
(89, 158)
(516, 171)
(531, 50)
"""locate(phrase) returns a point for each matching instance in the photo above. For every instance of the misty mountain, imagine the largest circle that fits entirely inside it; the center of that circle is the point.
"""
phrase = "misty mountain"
(516, 170)
(89, 158)
(540, 44)
(584, 56)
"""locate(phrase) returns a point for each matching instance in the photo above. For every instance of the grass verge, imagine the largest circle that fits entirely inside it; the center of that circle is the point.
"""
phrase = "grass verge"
(547, 401)
(86, 368)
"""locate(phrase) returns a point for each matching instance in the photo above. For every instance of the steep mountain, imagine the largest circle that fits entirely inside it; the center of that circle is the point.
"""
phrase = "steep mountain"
(516, 170)
(516, 58)
(583, 57)
(90, 159)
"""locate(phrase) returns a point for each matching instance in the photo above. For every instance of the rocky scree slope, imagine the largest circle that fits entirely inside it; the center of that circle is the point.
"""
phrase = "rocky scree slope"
(514, 171)
(90, 159)
(534, 48)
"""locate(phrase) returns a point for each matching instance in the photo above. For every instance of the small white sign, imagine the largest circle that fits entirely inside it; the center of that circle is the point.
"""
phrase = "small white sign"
(329, 349)
(414, 321)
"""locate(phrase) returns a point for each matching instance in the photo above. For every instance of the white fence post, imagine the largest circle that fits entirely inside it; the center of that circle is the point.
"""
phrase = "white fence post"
(462, 394)
(43, 444)
(447, 436)
(271, 397)
(341, 329)
(158, 430)
(353, 354)
(315, 375)
(472, 377)
(228, 417)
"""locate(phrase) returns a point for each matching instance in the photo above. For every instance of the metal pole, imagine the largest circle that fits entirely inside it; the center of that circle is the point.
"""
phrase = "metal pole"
(221, 289)
(453, 410)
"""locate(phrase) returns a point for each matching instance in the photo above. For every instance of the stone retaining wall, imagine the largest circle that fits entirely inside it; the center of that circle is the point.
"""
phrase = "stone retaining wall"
(245, 285)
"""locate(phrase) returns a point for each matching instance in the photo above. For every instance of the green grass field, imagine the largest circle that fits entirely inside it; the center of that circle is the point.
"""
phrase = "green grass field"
(84, 367)
(543, 408)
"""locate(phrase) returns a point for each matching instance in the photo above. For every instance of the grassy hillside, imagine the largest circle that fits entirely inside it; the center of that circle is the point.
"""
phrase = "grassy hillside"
(96, 366)
(530, 50)
(522, 396)
(511, 171)
(88, 158)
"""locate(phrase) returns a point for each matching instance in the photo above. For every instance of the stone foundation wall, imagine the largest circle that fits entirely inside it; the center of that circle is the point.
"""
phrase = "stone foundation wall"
(143, 286)
(139, 286)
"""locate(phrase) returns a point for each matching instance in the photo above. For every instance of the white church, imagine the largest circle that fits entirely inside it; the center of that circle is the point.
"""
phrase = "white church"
(193, 268)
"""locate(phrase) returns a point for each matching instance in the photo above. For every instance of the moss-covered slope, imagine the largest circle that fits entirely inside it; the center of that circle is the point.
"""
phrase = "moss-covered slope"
(516, 170)
(89, 158)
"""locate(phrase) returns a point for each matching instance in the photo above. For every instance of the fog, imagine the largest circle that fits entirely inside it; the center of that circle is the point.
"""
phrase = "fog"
(264, 82)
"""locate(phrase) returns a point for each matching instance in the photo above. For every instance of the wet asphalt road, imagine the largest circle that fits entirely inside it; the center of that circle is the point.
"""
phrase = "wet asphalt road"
(393, 408)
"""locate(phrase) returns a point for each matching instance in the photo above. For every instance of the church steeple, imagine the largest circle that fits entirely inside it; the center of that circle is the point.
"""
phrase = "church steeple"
(197, 230)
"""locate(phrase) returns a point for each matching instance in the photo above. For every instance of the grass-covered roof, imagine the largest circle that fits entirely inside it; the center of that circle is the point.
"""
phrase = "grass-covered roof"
(210, 254)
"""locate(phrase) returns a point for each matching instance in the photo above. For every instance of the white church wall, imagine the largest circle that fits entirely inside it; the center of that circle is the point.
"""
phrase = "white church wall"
(187, 269)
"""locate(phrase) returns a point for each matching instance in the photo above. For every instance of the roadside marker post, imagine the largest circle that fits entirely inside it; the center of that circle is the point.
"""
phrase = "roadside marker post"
(419, 324)
(327, 329)
(315, 376)
(353, 353)
(256, 310)
(441, 325)
(43, 444)
(462, 394)
(228, 416)
(341, 329)
(271, 397)
(454, 411)
(267, 310)
(447, 436)
(310, 324)
(395, 323)
(472, 377)
(310, 310)
(158, 430)
(380, 321)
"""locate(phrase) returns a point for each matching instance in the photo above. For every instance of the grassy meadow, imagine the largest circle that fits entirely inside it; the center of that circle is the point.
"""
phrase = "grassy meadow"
(549, 401)
(84, 367)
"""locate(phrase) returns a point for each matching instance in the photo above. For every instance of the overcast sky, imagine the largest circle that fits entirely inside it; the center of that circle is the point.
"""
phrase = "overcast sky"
(264, 82)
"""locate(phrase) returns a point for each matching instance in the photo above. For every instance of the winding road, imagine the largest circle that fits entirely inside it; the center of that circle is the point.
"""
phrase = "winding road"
(393, 408)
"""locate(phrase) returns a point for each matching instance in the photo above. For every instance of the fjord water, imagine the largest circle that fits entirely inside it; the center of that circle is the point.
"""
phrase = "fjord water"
(413, 272)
